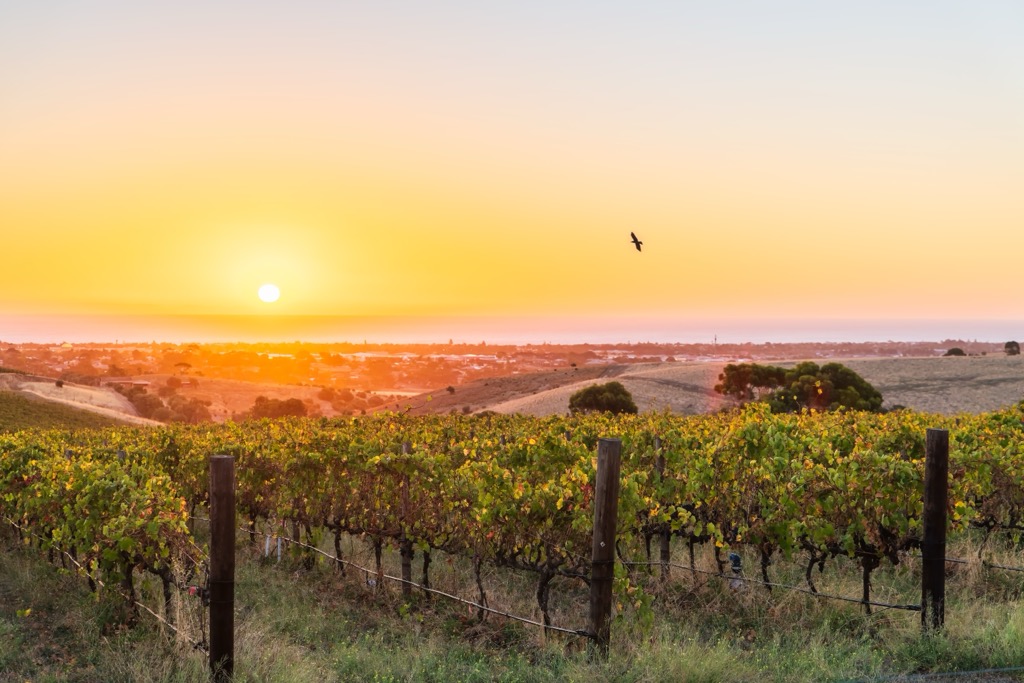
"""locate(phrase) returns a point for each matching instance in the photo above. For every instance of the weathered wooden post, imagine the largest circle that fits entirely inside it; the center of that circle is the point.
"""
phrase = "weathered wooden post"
(222, 567)
(405, 545)
(602, 572)
(933, 542)
(666, 533)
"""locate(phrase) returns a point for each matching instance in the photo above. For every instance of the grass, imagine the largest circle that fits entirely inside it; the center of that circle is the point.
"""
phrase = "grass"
(294, 624)
(18, 412)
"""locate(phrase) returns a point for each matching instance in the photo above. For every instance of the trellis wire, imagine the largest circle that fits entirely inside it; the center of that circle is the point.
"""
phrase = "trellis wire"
(196, 645)
(434, 591)
(909, 608)
(983, 563)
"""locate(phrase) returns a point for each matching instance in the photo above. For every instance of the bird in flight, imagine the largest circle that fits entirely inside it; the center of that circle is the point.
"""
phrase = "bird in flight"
(636, 242)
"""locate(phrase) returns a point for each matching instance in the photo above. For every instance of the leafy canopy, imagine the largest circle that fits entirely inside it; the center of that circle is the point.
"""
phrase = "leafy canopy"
(806, 385)
(611, 397)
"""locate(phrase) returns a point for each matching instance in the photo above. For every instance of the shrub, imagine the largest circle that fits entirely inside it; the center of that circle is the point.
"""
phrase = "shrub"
(611, 397)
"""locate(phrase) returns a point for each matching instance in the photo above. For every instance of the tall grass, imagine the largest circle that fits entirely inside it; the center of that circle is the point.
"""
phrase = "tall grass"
(299, 624)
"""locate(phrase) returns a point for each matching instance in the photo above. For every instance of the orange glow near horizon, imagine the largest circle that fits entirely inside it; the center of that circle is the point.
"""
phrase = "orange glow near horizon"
(830, 171)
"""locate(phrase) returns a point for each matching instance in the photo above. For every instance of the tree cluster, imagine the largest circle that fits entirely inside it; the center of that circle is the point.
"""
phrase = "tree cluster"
(806, 385)
(611, 397)
(273, 407)
(168, 406)
(348, 402)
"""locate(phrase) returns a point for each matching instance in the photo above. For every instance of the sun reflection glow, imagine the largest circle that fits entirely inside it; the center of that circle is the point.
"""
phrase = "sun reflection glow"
(269, 293)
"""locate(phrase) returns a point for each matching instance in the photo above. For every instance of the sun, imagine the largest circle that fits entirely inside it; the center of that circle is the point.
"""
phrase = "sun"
(269, 293)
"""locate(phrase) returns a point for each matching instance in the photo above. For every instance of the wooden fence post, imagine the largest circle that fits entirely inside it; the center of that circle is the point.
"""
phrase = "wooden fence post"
(222, 567)
(933, 542)
(666, 534)
(405, 544)
(602, 572)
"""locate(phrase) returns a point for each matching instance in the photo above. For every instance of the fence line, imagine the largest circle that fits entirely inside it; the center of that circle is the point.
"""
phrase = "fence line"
(983, 563)
(196, 645)
(413, 584)
(909, 608)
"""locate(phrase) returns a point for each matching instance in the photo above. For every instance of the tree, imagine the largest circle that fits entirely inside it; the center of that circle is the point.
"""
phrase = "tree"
(806, 385)
(955, 351)
(1011, 348)
(191, 410)
(272, 407)
(828, 387)
(611, 397)
(745, 381)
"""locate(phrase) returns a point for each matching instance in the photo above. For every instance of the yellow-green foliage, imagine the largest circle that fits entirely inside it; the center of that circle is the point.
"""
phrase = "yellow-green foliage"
(516, 491)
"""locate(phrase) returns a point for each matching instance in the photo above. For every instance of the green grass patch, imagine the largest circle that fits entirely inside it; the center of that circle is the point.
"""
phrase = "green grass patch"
(18, 412)
(299, 624)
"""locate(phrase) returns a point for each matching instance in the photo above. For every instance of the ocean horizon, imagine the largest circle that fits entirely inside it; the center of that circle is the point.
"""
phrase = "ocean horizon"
(507, 330)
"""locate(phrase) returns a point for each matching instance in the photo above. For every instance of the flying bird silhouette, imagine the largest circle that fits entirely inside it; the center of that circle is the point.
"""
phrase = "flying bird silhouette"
(636, 242)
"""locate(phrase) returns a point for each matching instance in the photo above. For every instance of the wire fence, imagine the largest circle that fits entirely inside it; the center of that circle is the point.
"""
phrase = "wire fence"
(982, 563)
(421, 587)
(582, 632)
(198, 591)
(771, 584)
(82, 570)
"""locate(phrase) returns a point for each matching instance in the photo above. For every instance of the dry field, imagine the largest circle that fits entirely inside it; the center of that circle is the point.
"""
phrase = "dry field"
(228, 397)
(100, 400)
(946, 385)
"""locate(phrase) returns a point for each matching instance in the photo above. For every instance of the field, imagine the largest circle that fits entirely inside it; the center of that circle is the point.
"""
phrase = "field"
(942, 385)
(296, 624)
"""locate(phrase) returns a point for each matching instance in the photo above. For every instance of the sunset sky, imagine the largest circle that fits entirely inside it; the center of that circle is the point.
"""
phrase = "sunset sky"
(803, 161)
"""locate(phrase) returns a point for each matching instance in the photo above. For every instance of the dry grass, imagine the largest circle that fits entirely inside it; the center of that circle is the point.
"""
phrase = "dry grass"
(946, 386)
(942, 385)
(100, 400)
(296, 624)
(228, 397)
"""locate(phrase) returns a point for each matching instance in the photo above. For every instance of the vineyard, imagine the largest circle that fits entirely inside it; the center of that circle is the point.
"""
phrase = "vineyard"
(515, 492)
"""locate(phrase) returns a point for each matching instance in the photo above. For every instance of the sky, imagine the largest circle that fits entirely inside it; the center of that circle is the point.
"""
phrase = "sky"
(817, 163)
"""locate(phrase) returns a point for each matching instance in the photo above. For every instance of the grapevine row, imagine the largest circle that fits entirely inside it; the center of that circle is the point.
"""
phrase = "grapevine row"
(515, 491)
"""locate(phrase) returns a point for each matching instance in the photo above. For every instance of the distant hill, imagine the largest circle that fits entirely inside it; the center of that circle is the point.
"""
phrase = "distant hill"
(23, 411)
(943, 385)
(33, 401)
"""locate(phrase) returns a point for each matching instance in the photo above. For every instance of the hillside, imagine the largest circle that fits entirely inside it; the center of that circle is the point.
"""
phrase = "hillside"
(943, 385)
(24, 411)
(31, 401)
